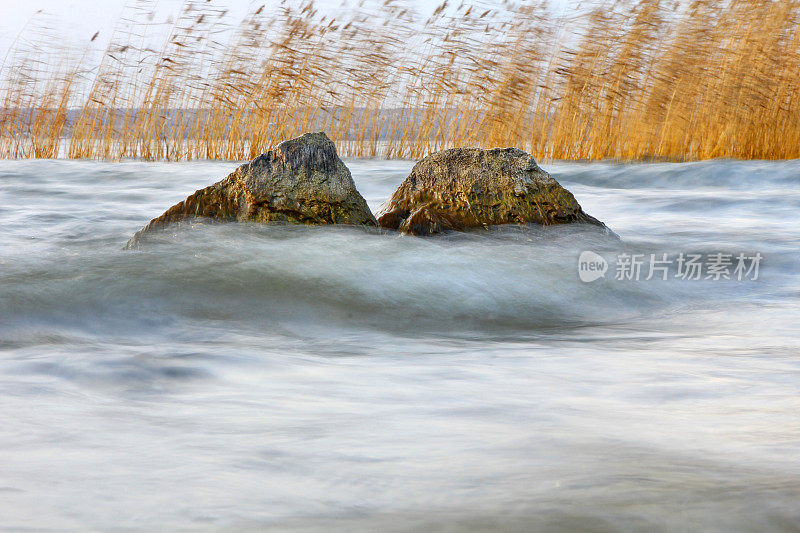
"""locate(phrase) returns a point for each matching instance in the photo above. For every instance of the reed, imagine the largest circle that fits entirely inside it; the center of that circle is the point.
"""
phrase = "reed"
(639, 80)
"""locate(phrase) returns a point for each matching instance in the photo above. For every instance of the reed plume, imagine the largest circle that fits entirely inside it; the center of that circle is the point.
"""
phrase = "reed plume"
(639, 80)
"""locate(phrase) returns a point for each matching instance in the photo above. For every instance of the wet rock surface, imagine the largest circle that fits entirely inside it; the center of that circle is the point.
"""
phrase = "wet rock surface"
(301, 181)
(463, 188)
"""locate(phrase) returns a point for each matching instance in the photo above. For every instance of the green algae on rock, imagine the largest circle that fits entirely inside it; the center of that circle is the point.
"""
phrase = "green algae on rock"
(463, 188)
(301, 181)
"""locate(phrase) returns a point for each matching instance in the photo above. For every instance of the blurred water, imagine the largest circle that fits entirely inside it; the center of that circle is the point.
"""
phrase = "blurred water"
(241, 376)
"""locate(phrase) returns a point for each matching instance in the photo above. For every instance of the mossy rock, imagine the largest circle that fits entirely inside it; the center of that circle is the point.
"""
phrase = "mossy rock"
(464, 188)
(301, 181)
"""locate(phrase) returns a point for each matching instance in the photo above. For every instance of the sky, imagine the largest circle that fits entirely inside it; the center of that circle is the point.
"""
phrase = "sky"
(79, 20)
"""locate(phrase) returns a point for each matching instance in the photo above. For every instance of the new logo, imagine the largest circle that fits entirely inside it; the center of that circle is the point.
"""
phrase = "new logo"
(591, 266)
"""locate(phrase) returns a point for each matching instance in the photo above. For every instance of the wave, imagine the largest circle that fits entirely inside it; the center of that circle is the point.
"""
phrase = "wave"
(717, 174)
(251, 276)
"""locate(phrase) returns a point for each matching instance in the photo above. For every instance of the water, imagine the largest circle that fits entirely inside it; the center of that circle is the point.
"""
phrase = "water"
(300, 379)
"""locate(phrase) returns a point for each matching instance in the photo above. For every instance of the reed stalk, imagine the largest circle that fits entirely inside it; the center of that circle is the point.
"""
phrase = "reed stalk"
(637, 80)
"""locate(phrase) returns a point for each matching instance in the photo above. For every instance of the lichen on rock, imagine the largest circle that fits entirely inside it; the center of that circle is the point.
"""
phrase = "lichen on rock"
(463, 188)
(301, 181)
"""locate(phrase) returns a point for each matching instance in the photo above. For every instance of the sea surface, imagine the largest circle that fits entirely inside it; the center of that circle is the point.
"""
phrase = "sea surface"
(285, 378)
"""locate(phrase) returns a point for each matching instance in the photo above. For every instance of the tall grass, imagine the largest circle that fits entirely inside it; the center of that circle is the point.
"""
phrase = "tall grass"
(635, 80)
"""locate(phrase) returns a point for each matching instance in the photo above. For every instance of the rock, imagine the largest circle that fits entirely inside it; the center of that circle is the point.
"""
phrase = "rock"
(302, 181)
(465, 188)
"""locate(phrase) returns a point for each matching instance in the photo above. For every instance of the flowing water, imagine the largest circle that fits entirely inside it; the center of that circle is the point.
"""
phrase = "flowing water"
(238, 376)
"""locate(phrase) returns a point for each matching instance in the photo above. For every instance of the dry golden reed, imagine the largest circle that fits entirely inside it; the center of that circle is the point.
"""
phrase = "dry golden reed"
(634, 81)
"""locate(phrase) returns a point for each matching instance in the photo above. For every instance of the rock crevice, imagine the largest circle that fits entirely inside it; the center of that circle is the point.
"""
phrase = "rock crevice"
(303, 181)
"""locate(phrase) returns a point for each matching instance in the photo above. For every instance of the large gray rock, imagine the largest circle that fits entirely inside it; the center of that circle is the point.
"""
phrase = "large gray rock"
(302, 181)
(465, 188)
